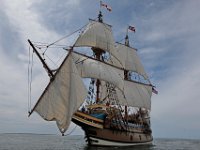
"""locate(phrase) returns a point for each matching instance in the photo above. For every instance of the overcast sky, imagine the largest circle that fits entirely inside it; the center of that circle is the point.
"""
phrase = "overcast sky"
(167, 38)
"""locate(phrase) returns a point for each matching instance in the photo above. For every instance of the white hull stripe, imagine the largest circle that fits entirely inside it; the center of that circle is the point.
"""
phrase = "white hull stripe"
(101, 142)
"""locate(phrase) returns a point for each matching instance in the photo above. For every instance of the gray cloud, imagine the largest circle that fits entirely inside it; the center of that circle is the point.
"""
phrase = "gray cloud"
(9, 37)
(177, 37)
(65, 16)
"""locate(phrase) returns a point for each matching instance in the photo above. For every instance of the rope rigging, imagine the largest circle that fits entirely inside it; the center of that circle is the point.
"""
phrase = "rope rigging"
(44, 46)
(29, 80)
(91, 92)
(70, 131)
(66, 36)
(30, 75)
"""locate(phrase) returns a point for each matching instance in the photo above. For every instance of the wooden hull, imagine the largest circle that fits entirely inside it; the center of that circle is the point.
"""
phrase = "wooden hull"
(104, 142)
(100, 136)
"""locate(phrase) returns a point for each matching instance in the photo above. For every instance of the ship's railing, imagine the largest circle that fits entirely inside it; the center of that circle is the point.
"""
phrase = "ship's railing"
(88, 117)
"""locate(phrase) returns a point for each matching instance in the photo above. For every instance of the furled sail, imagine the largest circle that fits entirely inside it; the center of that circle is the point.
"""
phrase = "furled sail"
(63, 96)
(129, 59)
(91, 68)
(98, 35)
(134, 94)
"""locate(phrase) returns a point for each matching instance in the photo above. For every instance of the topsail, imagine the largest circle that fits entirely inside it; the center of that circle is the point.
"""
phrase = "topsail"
(97, 35)
(128, 58)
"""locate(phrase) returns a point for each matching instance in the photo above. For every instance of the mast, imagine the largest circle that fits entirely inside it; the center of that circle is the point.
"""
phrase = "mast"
(126, 72)
(126, 38)
(99, 37)
(100, 17)
(98, 55)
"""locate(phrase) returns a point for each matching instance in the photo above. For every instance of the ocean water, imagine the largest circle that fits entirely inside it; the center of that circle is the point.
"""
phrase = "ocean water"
(56, 142)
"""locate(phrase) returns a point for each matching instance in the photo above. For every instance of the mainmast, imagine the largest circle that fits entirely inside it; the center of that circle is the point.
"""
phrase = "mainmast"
(127, 39)
(98, 55)
(100, 17)
(99, 37)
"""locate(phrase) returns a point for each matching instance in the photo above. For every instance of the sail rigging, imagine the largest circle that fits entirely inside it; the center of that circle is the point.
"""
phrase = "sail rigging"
(103, 108)
(63, 96)
(134, 94)
(97, 35)
(91, 68)
(127, 56)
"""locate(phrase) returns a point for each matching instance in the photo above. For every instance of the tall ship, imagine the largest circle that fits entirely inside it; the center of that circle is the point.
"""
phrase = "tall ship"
(101, 86)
